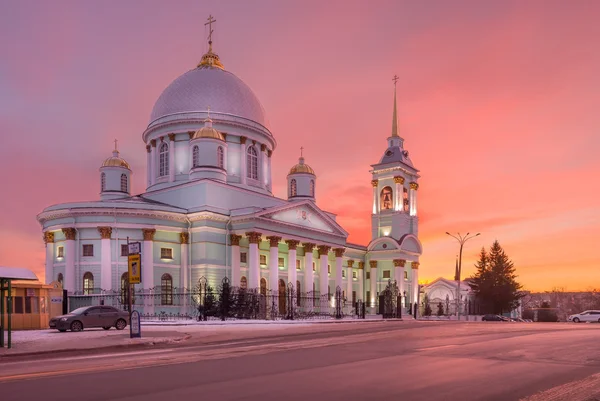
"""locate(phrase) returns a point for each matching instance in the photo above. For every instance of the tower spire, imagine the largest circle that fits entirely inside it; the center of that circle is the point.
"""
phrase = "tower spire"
(395, 116)
(210, 59)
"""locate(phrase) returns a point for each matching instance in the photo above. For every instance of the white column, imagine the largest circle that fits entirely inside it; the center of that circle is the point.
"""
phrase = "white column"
(399, 275)
(253, 260)
(105, 262)
(361, 282)
(375, 203)
(413, 198)
(171, 157)
(49, 240)
(292, 273)
(339, 253)
(308, 270)
(153, 162)
(184, 271)
(148, 165)
(399, 193)
(274, 262)
(236, 273)
(243, 164)
(148, 268)
(373, 300)
(350, 282)
(263, 166)
(269, 178)
(323, 273)
(69, 279)
(415, 281)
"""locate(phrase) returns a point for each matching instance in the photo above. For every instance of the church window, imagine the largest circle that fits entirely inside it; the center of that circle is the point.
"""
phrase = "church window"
(252, 163)
(386, 198)
(293, 188)
(244, 282)
(353, 297)
(405, 199)
(243, 257)
(124, 250)
(102, 182)
(123, 183)
(88, 283)
(263, 286)
(386, 274)
(314, 267)
(263, 260)
(329, 292)
(312, 188)
(60, 252)
(297, 264)
(343, 274)
(60, 278)
(166, 253)
(166, 289)
(220, 157)
(281, 262)
(405, 275)
(329, 269)
(298, 298)
(88, 250)
(368, 275)
(124, 291)
(195, 156)
(163, 161)
(354, 275)
(369, 296)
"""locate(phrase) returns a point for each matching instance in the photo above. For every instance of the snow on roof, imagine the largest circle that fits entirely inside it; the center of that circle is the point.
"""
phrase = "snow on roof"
(17, 273)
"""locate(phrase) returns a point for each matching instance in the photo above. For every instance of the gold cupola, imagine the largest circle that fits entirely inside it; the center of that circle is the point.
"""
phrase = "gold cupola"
(301, 168)
(115, 160)
(208, 131)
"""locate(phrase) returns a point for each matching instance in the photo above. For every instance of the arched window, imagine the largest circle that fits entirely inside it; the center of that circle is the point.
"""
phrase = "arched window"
(405, 199)
(60, 278)
(252, 163)
(124, 292)
(263, 286)
(166, 289)
(312, 188)
(195, 156)
(88, 283)
(298, 293)
(293, 188)
(244, 282)
(102, 182)
(123, 182)
(386, 198)
(220, 157)
(163, 160)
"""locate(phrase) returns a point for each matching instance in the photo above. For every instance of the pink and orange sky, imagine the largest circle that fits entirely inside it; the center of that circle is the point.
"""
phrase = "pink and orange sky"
(498, 105)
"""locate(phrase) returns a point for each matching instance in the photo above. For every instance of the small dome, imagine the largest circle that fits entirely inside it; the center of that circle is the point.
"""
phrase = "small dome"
(208, 131)
(301, 168)
(116, 161)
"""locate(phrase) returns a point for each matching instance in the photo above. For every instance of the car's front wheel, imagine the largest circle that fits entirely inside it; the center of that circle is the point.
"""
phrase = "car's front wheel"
(121, 324)
(76, 326)
(576, 320)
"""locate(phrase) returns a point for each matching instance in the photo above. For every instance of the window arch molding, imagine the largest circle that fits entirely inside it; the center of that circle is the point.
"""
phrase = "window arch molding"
(220, 157)
(88, 283)
(386, 197)
(163, 160)
(195, 156)
(293, 187)
(252, 163)
(124, 183)
(102, 182)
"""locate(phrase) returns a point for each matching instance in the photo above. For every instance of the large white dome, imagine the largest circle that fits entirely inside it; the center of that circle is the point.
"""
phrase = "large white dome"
(200, 88)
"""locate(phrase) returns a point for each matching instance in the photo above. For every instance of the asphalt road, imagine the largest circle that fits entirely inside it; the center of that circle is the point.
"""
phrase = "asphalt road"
(359, 361)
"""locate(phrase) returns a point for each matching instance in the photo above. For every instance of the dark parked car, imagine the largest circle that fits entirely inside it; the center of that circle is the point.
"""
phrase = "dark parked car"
(91, 316)
(495, 318)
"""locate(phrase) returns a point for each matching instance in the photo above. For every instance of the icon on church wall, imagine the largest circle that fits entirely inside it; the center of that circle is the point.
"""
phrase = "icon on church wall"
(386, 198)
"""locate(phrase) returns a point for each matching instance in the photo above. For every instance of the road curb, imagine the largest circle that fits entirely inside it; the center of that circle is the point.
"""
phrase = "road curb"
(268, 322)
(95, 350)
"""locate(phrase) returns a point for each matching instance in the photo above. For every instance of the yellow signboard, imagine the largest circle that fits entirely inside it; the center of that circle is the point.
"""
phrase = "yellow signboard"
(135, 269)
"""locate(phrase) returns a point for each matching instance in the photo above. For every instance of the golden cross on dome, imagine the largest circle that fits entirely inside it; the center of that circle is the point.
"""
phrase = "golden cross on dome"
(208, 111)
(210, 20)
(115, 144)
(301, 149)
(395, 79)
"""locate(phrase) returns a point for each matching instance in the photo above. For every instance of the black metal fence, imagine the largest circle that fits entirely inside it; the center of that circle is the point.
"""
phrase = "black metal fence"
(226, 302)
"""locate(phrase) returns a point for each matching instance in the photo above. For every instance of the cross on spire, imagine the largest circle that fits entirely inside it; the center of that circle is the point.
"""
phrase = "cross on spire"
(395, 79)
(116, 145)
(210, 20)
(301, 149)
(208, 111)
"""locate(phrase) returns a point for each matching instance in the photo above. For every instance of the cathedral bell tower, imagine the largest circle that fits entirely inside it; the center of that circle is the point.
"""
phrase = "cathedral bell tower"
(395, 188)
(115, 177)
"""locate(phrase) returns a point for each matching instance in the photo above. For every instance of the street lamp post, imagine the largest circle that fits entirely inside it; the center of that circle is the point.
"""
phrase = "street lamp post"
(461, 240)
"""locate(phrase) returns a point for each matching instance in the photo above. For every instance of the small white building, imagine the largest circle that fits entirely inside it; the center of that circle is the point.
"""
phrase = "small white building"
(443, 291)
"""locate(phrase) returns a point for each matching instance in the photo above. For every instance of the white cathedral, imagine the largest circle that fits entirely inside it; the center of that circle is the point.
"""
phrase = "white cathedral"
(208, 210)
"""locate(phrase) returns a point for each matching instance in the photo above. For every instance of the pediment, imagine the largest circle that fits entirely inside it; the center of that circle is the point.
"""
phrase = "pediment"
(304, 215)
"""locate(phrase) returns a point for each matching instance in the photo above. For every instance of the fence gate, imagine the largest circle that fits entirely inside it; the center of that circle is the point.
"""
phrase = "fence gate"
(388, 301)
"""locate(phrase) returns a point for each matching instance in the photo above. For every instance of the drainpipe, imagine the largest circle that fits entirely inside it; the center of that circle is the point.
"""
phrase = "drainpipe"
(189, 229)
(226, 243)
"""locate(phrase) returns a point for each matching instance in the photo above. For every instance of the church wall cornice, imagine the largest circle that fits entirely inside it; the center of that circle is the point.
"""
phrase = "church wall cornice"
(48, 216)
